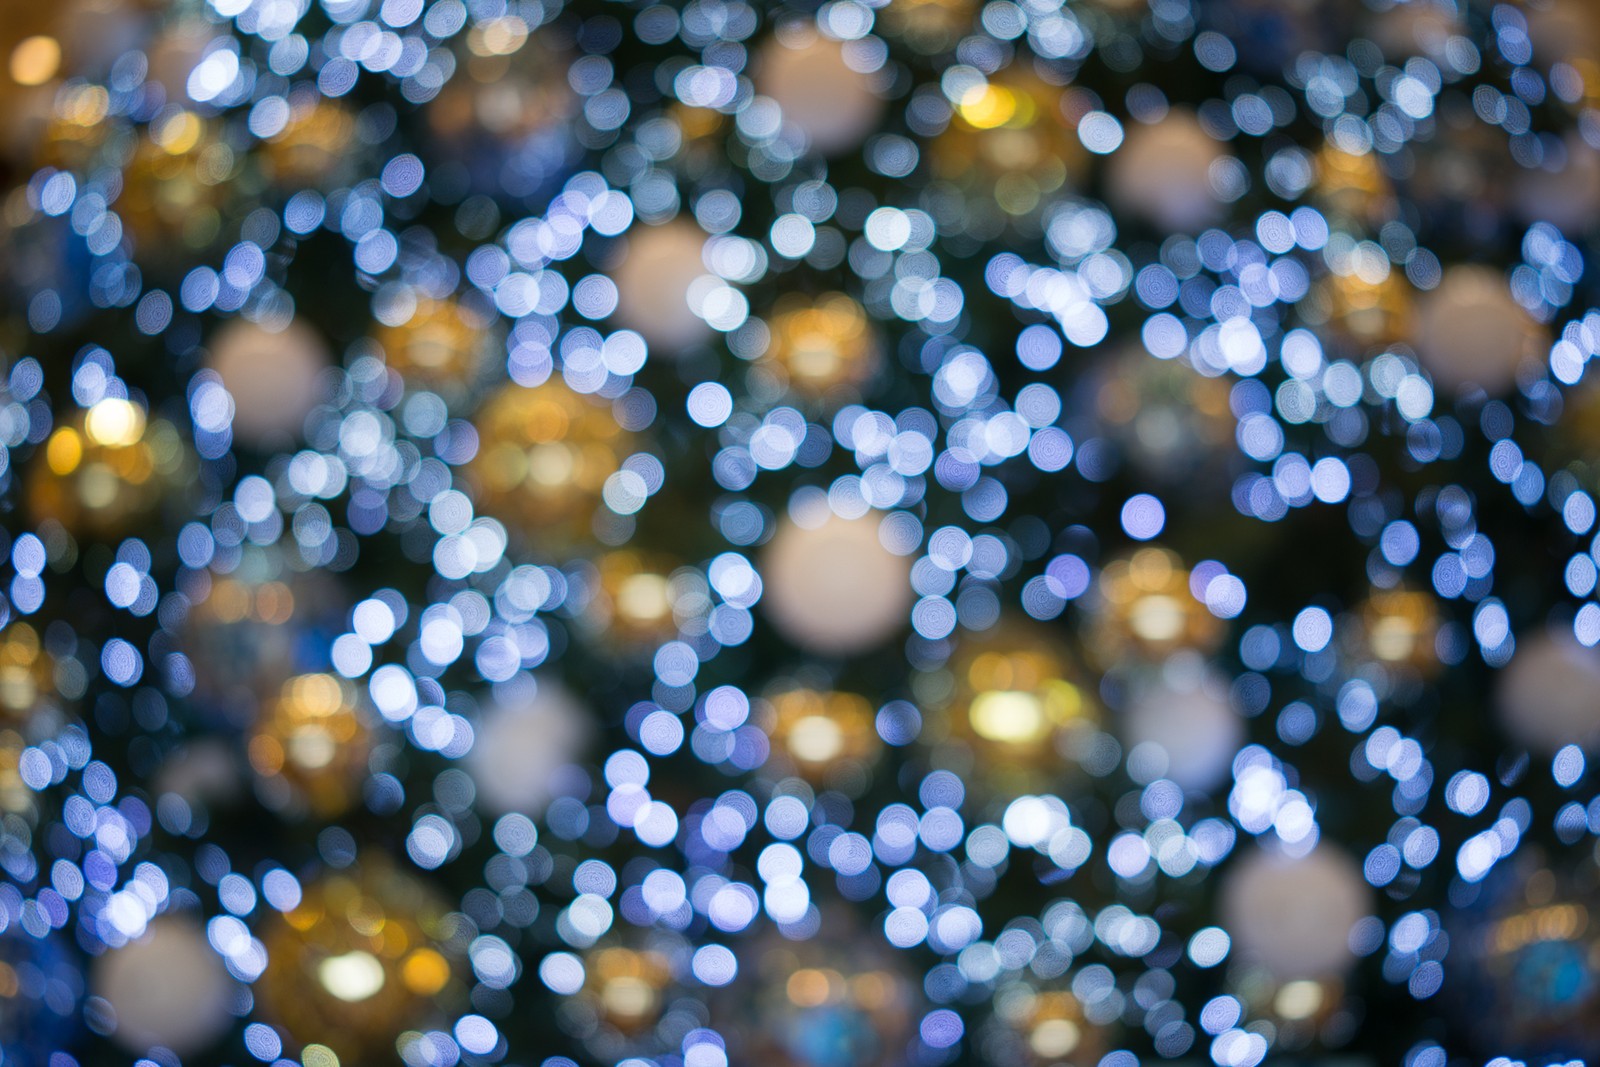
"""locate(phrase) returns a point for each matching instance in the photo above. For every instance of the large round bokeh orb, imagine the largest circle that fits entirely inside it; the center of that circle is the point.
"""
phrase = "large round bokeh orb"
(1293, 916)
(832, 588)
(1549, 694)
(167, 988)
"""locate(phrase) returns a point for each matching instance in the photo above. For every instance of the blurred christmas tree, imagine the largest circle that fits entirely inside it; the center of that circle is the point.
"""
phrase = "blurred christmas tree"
(917, 533)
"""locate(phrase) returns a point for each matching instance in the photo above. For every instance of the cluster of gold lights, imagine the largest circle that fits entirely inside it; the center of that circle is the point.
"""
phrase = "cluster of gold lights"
(439, 344)
(177, 182)
(516, 85)
(1148, 609)
(1401, 625)
(312, 144)
(823, 345)
(636, 597)
(1016, 693)
(315, 739)
(818, 987)
(110, 468)
(364, 952)
(544, 456)
(26, 674)
(626, 985)
(1011, 135)
(234, 601)
(818, 729)
(1051, 1022)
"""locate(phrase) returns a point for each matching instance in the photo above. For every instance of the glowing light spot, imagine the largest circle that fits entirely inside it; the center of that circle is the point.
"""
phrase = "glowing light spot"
(987, 106)
(115, 423)
(353, 977)
(35, 61)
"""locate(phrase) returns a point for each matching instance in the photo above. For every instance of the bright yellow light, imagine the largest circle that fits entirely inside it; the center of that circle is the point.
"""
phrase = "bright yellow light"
(35, 61)
(1394, 638)
(816, 739)
(65, 451)
(425, 972)
(1010, 717)
(499, 37)
(987, 106)
(353, 977)
(179, 133)
(311, 747)
(811, 988)
(1298, 1000)
(318, 694)
(1157, 618)
(1054, 1037)
(643, 597)
(552, 464)
(115, 423)
(628, 997)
